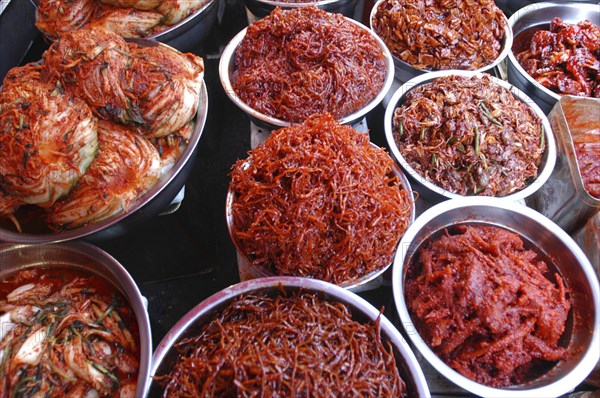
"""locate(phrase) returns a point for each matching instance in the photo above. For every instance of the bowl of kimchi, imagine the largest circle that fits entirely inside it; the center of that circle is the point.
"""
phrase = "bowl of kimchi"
(309, 76)
(182, 24)
(74, 323)
(274, 330)
(464, 133)
(318, 200)
(554, 51)
(430, 36)
(99, 161)
(498, 299)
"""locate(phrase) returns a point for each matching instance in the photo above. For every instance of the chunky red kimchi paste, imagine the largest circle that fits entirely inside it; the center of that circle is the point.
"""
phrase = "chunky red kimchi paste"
(566, 58)
(487, 305)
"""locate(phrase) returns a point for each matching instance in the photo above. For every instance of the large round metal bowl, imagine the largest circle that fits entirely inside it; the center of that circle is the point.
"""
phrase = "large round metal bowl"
(262, 8)
(405, 71)
(154, 201)
(187, 34)
(248, 271)
(86, 257)
(226, 68)
(166, 355)
(535, 17)
(431, 191)
(583, 342)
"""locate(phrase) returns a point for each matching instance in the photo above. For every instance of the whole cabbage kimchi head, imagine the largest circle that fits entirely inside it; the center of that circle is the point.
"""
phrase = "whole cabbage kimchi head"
(48, 139)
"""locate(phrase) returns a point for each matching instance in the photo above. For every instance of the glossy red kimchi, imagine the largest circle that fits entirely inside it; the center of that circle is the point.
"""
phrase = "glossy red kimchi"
(565, 58)
(318, 200)
(297, 62)
(488, 304)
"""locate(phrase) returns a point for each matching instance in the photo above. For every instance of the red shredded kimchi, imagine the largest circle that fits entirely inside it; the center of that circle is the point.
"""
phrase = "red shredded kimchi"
(318, 200)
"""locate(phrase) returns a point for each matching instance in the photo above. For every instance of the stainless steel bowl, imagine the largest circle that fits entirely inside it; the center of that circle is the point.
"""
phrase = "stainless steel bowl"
(261, 8)
(86, 257)
(574, 267)
(405, 72)
(434, 193)
(534, 17)
(226, 68)
(248, 271)
(189, 33)
(147, 206)
(166, 356)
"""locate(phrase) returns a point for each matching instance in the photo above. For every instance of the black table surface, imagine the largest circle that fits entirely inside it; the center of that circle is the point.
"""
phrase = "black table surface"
(180, 259)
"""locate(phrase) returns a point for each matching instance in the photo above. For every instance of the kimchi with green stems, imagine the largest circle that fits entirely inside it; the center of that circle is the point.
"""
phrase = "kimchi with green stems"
(66, 333)
(469, 136)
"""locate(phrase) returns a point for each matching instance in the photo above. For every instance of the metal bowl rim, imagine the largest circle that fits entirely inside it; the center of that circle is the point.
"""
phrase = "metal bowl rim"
(352, 284)
(227, 60)
(305, 3)
(556, 388)
(171, 29)
(506, 46)
(159, 35)
(530, 9)
(131, 290)
(154, 191)
(350, 299)
(550, 151)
